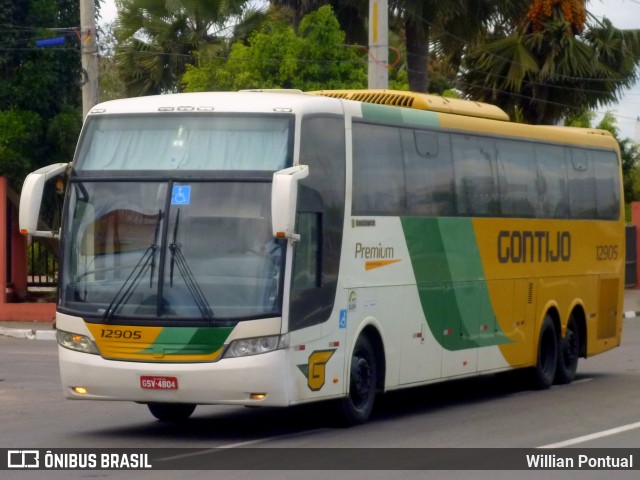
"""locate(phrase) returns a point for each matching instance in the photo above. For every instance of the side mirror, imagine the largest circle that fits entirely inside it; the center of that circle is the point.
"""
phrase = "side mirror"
(284, 197)
(31, 199)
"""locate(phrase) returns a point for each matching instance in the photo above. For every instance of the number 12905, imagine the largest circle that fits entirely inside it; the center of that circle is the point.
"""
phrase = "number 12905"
(606, 252)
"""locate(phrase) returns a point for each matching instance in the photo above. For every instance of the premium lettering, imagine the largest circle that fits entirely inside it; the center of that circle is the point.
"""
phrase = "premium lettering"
(533, 246)
(378, 252)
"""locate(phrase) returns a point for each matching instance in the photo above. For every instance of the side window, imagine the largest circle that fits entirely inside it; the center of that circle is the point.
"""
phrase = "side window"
(517, 178)
(378, 171)
(306, 263)
(320, 221)
(552, 181)
(428, 173)
(607, 175)
(474, 165)
(582, 201)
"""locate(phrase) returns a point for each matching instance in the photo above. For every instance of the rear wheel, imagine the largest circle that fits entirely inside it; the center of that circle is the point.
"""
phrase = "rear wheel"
(545, 370)
(357, 406)
(568, 354)
(171, 412)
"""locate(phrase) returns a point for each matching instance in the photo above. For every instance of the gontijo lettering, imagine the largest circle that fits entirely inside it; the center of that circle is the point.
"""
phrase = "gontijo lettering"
(533, 246)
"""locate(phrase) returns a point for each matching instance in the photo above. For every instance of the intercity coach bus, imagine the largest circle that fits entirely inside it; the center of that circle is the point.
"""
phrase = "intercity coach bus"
(272, 248)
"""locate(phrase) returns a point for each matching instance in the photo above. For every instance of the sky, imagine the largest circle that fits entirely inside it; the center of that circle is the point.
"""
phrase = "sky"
(624, 14)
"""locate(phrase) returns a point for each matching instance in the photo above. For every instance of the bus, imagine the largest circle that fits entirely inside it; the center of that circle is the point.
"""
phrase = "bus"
(274, 248)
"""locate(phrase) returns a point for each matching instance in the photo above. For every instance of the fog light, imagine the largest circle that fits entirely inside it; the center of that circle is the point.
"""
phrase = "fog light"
(79, 390)
(258, 396)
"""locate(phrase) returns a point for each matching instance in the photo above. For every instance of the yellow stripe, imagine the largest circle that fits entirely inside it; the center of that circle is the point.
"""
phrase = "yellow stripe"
(127, 342)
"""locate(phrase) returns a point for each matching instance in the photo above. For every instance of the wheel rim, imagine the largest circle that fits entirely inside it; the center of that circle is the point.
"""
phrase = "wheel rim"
(570, 348)
(361, 381)
(548, 366)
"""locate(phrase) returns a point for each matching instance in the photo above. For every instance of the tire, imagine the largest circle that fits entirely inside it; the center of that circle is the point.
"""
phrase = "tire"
(545, 370)
(568, 354)
(171, 412)
(356, 407)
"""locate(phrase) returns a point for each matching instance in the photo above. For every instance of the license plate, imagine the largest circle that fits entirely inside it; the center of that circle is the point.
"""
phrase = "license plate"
(149, 382)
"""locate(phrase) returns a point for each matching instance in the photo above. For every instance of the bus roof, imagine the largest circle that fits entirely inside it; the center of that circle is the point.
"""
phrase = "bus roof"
(249, 101)
(472, 116)
(455, 114)
(420, 101)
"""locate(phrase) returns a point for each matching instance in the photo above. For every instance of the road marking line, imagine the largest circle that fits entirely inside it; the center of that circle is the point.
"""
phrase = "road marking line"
(582, 380)
(214, 450)
(593, 436)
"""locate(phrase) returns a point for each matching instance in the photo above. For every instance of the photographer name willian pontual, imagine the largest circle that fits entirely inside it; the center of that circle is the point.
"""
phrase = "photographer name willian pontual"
(552, 461)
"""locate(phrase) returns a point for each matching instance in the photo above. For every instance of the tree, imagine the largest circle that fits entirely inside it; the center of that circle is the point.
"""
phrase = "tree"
(156, 38)
(351, 15)
(276, 57)
(552, 62)
(40, 115)
(446, 29)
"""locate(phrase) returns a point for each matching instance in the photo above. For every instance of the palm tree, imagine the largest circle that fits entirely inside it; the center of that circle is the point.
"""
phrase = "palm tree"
(552, 62)
(449, 28)
(157, 38)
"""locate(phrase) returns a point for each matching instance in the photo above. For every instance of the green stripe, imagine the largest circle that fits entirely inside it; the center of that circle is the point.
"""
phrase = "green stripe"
(401, 116)
(189, 340)
(451, 284)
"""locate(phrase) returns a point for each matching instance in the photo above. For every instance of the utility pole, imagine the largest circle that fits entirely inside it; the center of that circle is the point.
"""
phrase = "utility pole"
(89, 52)
(378, 73)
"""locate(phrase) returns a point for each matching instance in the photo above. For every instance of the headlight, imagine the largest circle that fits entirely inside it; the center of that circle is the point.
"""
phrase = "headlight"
(252, 346)
(77, 342)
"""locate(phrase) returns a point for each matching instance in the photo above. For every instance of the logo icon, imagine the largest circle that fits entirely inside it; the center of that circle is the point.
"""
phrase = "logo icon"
(181, 195)
(23, 459)
(315, 370)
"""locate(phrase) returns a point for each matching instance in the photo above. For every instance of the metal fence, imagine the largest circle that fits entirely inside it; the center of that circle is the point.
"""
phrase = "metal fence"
(43, 265)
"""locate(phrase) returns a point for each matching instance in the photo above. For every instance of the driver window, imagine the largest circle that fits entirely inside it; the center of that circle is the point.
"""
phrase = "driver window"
(305, 266)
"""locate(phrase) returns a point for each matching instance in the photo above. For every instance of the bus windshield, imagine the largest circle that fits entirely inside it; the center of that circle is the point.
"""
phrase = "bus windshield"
(182, 250)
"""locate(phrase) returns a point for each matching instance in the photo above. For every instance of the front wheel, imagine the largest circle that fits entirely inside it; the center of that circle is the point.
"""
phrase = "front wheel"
(171, 412)
(568, 354)
(545, 370)
(357, 406)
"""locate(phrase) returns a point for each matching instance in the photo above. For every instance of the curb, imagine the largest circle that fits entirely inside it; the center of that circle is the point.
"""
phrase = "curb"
(28, 333)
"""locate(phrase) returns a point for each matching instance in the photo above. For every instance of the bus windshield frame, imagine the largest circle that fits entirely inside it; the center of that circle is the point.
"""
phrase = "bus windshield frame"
(174, 246)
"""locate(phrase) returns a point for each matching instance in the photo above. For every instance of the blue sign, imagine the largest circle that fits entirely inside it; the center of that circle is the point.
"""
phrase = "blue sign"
(343, 319)
(181, 195)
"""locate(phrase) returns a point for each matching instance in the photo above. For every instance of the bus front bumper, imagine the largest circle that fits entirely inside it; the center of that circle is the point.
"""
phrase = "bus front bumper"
(257, 380)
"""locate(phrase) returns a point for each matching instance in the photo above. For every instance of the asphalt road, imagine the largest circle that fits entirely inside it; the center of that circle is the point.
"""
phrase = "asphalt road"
(600, 409)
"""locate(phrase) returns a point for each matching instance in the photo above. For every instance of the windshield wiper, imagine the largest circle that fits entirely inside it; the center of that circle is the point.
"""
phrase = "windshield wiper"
(155, 248)
(178, 258)
(146, 262)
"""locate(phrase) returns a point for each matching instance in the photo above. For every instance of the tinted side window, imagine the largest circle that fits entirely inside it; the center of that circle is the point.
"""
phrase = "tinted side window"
(428, 173)
(582, 201)
(306, 265)
(517, 178)
(552, 181)
(607, 184)
(474, 163)
(321, 216)
(378, 171)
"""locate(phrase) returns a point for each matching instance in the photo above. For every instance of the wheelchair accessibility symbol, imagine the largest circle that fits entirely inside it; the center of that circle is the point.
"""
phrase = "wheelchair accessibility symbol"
(181, 195)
